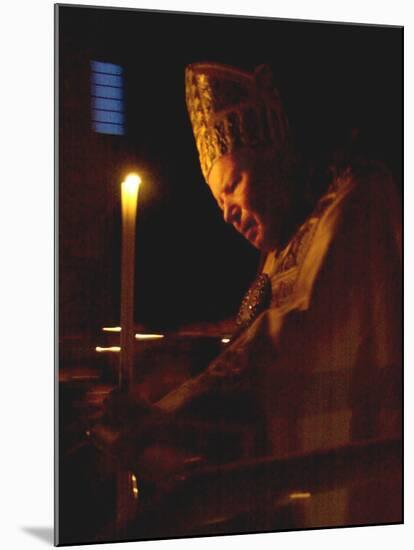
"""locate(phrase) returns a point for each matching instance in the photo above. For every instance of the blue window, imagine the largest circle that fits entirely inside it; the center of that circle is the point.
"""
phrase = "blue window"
(107, 98)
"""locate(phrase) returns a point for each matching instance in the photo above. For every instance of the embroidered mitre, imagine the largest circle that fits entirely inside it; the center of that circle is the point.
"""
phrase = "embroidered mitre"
(230, 108)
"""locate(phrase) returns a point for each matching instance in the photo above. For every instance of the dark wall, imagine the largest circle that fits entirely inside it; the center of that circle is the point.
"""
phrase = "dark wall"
(190, 266)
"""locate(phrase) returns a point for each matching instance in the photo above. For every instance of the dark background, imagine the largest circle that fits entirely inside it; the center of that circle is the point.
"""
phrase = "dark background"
(191, 267)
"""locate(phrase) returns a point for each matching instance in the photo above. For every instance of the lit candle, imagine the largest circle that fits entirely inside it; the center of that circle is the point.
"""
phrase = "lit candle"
(129, 200)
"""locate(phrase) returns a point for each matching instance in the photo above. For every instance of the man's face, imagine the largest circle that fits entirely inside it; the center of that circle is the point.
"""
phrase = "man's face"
(245, 192)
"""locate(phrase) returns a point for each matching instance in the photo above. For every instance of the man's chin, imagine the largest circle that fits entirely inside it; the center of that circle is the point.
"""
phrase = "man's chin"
(257, 240)
(255, 237)
(263, 244)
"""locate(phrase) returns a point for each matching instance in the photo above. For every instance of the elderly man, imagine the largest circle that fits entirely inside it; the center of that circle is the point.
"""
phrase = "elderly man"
(318, 345)
(319, 339)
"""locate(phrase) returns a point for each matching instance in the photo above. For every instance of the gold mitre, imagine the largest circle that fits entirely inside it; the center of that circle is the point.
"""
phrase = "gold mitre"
(230, 108)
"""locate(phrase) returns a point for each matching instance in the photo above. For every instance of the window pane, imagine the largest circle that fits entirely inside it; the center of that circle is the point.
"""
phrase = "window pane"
(109, 68)
(107, 104)
(106, 128)
(108, 116)
(107, 79)
(104, 91)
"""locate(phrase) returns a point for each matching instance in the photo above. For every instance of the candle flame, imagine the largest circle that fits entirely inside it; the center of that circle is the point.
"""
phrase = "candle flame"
(225, 340)
(131, 184)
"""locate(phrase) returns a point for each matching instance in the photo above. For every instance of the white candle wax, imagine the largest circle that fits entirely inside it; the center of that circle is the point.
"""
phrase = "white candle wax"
(129, 200)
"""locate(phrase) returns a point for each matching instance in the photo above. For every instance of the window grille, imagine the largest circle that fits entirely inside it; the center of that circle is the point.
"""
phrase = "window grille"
(107, 98)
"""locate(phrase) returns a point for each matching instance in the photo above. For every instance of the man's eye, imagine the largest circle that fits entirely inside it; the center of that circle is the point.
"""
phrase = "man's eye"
(233, 184)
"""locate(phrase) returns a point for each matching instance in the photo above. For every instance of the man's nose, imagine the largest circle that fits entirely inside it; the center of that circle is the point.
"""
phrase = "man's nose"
(232, 214)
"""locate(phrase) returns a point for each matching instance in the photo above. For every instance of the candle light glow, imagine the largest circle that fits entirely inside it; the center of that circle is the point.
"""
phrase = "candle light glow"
(300, 495)
(135, 490)
(148, 336)
(138, 335)
(113, 349)
(130, 186)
